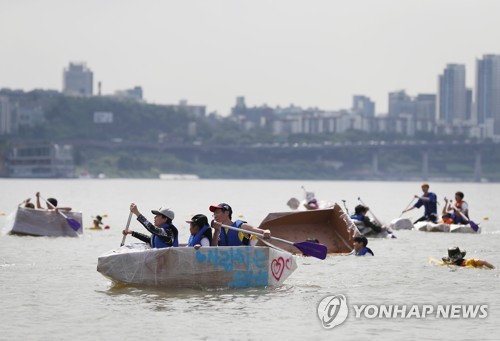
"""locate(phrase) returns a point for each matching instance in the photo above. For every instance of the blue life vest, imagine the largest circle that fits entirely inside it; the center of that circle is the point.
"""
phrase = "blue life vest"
(156, 241)
(358, 217)
(196, 239)
(231, 237)
(364, 251)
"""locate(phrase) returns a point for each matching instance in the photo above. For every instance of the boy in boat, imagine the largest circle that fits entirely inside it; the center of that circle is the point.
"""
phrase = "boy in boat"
(446, 215)
(429, 201)
(360, 248)
(460, 209)
(51, 204)
(163, 232)
(27, 204)
(360, 214)
(456, 257)
(226, 237)
(201, 232)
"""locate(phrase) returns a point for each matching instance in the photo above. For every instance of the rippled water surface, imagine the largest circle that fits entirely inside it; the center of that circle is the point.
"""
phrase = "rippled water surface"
(52, 291)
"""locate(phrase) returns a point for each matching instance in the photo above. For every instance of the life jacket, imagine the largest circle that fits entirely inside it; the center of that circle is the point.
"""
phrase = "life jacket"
(156, 241)
(458, 219)
(230, 238)
(358, 217)
(364, 251)
(196, 239)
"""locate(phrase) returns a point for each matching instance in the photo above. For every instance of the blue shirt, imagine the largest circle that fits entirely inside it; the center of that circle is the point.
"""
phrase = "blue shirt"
(430, 205)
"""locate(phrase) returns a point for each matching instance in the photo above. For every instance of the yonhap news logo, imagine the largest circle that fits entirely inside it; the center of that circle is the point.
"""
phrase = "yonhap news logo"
(333, 311)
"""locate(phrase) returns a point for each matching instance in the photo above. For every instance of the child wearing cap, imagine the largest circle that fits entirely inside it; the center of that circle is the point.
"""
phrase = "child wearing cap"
(201, 232)
(163, 232)
(227, 237)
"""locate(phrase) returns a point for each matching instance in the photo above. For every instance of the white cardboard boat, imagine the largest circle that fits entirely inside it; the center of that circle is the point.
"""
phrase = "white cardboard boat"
(38, 222)
(206, 268)
(425, 226)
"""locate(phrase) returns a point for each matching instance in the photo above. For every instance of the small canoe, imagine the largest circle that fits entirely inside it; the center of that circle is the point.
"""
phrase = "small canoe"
(34, 222)
(330, 227)
(206, 268)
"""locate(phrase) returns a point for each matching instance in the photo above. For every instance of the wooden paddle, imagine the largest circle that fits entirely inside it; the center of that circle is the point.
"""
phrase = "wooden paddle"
(307, 248)
(126, 229)
(75, 225)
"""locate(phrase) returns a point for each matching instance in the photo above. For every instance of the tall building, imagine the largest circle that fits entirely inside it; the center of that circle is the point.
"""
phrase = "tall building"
(6, 117)
(363, 105)
(488, 90)
(452, 94)
(78, 80)
(400, 103)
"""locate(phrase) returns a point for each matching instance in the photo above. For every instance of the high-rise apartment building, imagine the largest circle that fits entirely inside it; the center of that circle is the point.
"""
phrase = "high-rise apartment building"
(78, 80)
(452, 94)
(363, 105)
(488, 91)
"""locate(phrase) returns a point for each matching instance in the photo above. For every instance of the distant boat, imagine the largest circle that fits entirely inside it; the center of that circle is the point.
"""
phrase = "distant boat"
(169, 176)
(34, 222)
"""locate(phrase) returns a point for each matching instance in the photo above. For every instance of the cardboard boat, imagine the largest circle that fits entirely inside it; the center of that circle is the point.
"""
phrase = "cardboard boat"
(39, 222)
(331, 227)
(206, 268)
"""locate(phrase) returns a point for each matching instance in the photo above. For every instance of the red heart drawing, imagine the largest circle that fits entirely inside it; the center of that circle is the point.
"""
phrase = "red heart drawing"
(277, 267)
(288, 263)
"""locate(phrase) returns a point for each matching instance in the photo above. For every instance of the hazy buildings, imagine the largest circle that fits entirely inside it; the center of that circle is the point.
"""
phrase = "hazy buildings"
(6, 117)
(78, 80)
(363, 105)
(131, 94)
(452, 94)
(488, 91)
(400, 103)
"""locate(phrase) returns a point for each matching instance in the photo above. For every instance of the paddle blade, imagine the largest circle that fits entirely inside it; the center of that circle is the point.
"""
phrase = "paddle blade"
(474, 226)
(74, 224)
(312, 249)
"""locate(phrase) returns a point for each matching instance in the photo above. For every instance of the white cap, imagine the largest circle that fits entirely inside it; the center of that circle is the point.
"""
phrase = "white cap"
(167, 212)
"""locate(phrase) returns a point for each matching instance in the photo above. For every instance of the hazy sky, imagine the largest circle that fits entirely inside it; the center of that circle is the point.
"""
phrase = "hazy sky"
(278, 52)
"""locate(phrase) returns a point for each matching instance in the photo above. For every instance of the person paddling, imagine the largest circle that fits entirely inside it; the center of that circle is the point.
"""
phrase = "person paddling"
(429, 201)
(163, 232)
(226, 237)
(456, 257)
(201, 232)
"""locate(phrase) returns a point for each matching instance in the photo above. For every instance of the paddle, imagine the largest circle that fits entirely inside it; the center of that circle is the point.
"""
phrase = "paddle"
(362, 203)
(403, 212)
(126, 228)
(472, 224)
(307, 248)
(75, 225)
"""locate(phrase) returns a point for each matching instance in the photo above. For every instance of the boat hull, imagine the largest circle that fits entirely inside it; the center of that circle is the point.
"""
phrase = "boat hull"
(206, 268)
(331, 227)
(426, 226)
(33, 222)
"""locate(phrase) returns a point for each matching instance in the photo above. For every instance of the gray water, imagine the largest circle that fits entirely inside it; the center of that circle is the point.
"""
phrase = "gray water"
(50, 289)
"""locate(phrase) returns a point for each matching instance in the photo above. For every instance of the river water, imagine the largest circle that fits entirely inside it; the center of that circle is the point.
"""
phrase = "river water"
(52, 291)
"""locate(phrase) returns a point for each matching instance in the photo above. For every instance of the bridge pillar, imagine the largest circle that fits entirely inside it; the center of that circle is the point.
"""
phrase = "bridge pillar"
(375, 163)
(425, 165)
(477, 167)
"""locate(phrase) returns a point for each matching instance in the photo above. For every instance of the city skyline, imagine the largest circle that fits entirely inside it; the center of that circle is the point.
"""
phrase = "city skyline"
(288, 52)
